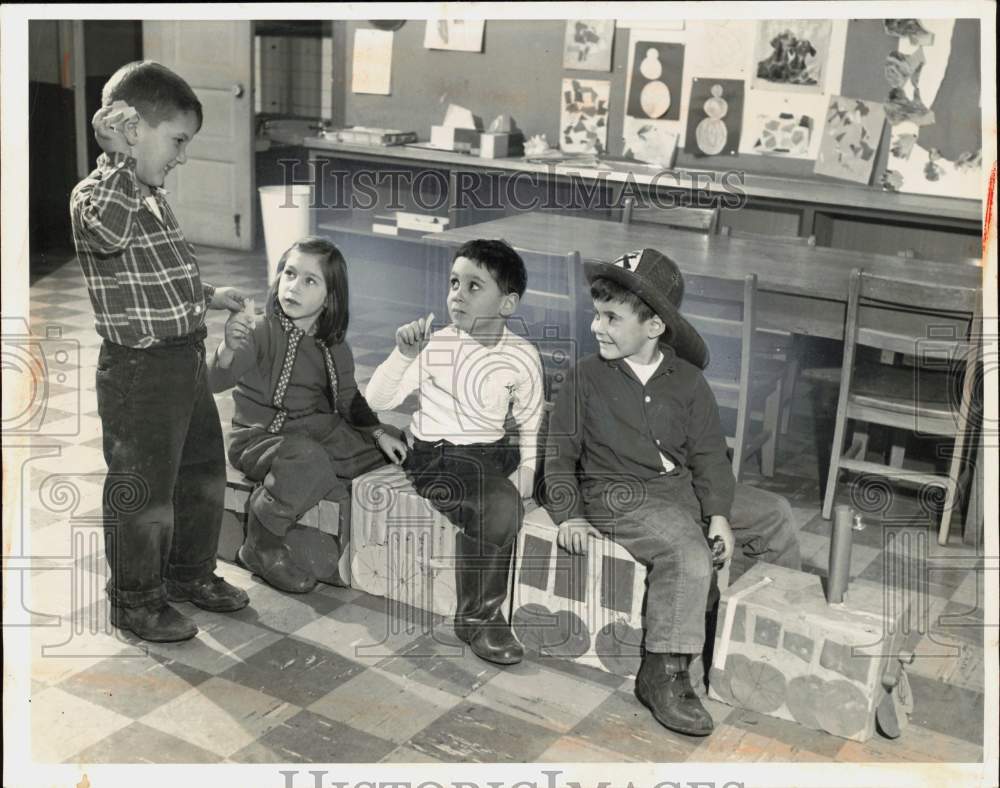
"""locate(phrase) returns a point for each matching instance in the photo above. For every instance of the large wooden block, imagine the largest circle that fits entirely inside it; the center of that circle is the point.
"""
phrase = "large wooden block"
(781, 650)
(319, 541)
(401, 547)
(584, 608)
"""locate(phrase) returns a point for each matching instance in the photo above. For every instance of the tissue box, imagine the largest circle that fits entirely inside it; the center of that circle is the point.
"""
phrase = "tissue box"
(781, 650)
(454, 138)
(498, 145)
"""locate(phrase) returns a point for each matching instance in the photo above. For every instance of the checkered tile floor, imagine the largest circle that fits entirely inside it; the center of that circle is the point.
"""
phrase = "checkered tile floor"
(337, 676)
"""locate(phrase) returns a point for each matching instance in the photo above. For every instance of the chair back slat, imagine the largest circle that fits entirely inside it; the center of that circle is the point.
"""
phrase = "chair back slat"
(702, 220)
(917, 296)
(746, 235)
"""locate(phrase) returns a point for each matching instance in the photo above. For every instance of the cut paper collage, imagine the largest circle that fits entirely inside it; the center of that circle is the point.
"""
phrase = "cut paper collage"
(796, 66)
(919, 160)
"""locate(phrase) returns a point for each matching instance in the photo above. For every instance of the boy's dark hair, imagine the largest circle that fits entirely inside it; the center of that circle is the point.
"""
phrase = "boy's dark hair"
(331, 325)
(499, 258)
(156, 92)
(604, 290)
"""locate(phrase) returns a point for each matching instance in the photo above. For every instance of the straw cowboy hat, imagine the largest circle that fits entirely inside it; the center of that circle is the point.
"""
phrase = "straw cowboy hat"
(657, 280)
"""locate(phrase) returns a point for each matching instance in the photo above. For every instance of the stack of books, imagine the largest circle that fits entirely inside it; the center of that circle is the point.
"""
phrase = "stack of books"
(403, 223)
(366, 135)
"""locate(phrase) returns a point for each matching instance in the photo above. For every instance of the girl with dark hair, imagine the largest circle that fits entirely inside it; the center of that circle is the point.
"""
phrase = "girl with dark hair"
(301, 427)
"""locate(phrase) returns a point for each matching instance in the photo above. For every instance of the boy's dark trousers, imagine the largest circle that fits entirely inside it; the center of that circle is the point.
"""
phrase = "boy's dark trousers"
(469, 486)
(164, 493)
(660, 525)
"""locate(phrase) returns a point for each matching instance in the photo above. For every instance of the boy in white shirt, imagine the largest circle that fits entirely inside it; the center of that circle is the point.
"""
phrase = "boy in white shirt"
(470, 375)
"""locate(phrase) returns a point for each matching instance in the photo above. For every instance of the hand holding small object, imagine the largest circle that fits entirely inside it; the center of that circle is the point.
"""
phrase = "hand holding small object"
(109, 127)
(227, 298)
(238, 329)
(413, 337)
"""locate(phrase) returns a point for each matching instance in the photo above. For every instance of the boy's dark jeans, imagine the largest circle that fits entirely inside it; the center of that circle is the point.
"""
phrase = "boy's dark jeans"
(469, 486)
(660, 525)
(164, 493)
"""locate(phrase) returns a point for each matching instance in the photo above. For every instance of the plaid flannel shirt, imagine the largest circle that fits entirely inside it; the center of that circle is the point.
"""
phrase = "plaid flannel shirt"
(142, 274)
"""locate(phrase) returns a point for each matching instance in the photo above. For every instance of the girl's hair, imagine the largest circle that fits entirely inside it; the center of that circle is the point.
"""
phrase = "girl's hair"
(331, 324)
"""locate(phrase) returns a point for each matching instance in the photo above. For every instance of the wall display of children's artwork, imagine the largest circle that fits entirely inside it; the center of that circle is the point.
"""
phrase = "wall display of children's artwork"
(584, 120)
(655, 79)
(786, 108)
(460, 35)
(792, 54)
(922, 89)
(372, 62)
(588, 44)
(649, 141)
(850, 139)
(715, 117)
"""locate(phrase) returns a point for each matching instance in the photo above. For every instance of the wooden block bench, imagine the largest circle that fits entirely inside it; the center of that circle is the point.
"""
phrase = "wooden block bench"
(319, 541)
(781, 650)
(401, 548)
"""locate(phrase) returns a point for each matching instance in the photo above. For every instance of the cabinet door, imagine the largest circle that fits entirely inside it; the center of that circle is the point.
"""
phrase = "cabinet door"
(213, 193)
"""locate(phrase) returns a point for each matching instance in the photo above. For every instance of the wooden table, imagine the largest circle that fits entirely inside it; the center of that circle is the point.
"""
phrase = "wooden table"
(802, 289)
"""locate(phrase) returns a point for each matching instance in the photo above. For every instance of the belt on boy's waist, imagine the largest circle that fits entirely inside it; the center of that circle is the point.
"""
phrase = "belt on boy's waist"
(193, 338)
(441, 445)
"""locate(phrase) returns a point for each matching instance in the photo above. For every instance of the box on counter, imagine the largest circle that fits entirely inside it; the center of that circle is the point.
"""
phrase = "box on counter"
(454, 138)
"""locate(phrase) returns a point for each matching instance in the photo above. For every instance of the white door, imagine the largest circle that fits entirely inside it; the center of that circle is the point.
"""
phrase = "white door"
(213, 193)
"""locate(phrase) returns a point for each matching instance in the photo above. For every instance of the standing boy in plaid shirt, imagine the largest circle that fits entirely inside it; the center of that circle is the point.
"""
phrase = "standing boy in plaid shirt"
(163, 497)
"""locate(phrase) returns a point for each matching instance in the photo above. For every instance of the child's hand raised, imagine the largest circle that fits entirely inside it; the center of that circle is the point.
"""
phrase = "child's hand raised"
(238, 328)
(413, 337)
(109, 127)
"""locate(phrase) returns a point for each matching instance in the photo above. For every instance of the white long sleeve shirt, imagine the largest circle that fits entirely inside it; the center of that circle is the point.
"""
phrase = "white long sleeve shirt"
(465, 389)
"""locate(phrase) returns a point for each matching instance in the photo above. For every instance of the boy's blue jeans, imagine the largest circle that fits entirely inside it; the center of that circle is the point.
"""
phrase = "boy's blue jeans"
(663, 531)
(164, 493)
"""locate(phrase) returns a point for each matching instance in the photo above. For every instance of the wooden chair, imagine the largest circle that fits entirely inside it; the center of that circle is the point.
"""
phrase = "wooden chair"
(782, 345)
(551, 307)
(724, 312)
(918, 399)
(746, 235)
(700, 220)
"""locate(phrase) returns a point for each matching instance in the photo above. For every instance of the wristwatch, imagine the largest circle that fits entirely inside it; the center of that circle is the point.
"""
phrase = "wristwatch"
(378, 434)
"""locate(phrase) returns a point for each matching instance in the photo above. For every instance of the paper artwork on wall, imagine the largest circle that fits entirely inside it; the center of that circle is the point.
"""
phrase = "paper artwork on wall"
(715, 117)
(588, 44)
(792, 54)
(850, 139)
(655, 81)
(584, 116)
(776, 124)
(459, 35)
(923, 158)
(372, 62)
(649, 141)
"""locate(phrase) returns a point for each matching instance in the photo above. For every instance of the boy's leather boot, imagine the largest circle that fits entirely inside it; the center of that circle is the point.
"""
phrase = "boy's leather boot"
(265, 554)
(157, 622)
(481, 581)
(664, 686)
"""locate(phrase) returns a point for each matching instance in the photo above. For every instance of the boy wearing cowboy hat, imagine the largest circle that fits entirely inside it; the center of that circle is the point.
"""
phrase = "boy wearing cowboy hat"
(636, 453)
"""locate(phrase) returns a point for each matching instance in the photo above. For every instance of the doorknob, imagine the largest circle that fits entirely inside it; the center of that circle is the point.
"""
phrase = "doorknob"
(238, 90)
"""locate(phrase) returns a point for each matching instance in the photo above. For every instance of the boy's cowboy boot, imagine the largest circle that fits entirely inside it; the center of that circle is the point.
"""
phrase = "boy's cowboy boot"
(265, 554)
(481, 580)
(664, 686)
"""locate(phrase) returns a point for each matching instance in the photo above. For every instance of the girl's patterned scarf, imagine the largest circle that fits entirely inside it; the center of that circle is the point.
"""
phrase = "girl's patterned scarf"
(295, 336)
